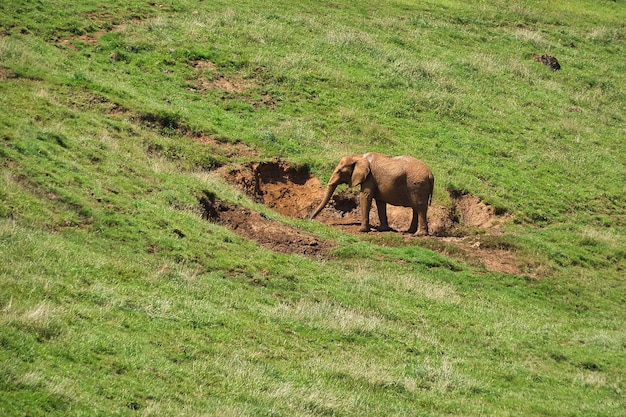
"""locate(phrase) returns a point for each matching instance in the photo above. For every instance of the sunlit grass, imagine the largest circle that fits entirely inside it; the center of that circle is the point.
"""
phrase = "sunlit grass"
(118, 297)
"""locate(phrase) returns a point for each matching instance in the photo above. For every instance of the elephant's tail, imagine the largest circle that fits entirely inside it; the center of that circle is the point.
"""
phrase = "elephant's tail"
(431, 178)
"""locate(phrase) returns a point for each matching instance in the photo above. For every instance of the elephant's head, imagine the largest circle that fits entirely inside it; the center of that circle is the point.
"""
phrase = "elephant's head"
(352, 170)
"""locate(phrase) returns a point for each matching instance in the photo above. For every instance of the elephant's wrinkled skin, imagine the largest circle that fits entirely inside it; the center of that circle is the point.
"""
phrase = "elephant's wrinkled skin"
(398, 180)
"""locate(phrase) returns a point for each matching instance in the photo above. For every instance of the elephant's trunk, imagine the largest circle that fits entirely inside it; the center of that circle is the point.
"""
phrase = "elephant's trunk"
(329, 194)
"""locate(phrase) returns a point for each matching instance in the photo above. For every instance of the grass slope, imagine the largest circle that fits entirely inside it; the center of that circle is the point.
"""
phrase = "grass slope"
(117, 298)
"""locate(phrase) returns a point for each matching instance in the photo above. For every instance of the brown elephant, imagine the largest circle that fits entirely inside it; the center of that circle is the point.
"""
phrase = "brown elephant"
(399, 181)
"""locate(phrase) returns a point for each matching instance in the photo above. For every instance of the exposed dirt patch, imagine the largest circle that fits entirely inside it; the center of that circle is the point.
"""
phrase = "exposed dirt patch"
(208, 78)
(294, 192)
(233, 86)
(225, 147)
(92, 38)
(288, 190)
(548, 60)
(6, 74)
(85, 100)
(492, 258)
(269, 233)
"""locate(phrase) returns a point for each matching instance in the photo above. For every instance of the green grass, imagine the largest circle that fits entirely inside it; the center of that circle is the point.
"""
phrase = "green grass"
(117, 298)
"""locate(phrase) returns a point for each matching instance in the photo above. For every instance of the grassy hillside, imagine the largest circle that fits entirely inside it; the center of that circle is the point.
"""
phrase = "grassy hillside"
(119, 297)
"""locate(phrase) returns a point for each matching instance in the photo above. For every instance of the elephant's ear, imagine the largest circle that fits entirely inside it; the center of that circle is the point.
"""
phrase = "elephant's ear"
(360, 172)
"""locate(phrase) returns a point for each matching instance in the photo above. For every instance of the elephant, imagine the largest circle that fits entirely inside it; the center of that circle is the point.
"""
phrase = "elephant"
(398, 180)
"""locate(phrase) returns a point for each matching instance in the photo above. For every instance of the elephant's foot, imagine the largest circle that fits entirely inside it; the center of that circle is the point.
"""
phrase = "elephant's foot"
(364, 229)
(421, 232)
(385, 228)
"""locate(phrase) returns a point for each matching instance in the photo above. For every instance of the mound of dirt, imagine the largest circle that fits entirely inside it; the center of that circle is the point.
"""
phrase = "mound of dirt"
(268, 233)
(288, 190)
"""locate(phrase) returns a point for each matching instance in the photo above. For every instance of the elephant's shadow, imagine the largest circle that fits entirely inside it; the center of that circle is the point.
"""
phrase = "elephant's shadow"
(350, 224)
(344, 212)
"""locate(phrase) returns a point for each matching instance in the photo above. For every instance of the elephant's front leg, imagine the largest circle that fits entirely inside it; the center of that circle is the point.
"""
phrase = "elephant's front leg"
(366, 205)
(381, 206)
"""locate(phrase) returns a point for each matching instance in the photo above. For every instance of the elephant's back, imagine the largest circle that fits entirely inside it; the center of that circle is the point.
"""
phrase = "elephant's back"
(411, 161)
(416, 170)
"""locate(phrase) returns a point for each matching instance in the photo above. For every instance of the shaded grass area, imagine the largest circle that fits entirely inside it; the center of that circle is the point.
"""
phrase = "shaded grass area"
(116, 297)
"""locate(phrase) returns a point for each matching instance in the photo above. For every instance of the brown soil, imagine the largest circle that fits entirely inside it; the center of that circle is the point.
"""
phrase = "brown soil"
(293, 192)
(223, 146)
(210, 78)
(548, 60)
(234, 86)
(6, 74)
(269, 233)
(285, 189)
(92, 38)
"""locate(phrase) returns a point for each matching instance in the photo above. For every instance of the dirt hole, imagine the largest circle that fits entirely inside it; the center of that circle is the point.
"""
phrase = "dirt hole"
(294, 192)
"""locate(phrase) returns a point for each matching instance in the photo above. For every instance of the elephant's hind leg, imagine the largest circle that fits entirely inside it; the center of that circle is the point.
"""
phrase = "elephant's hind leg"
(422, 219)
(413, 227)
